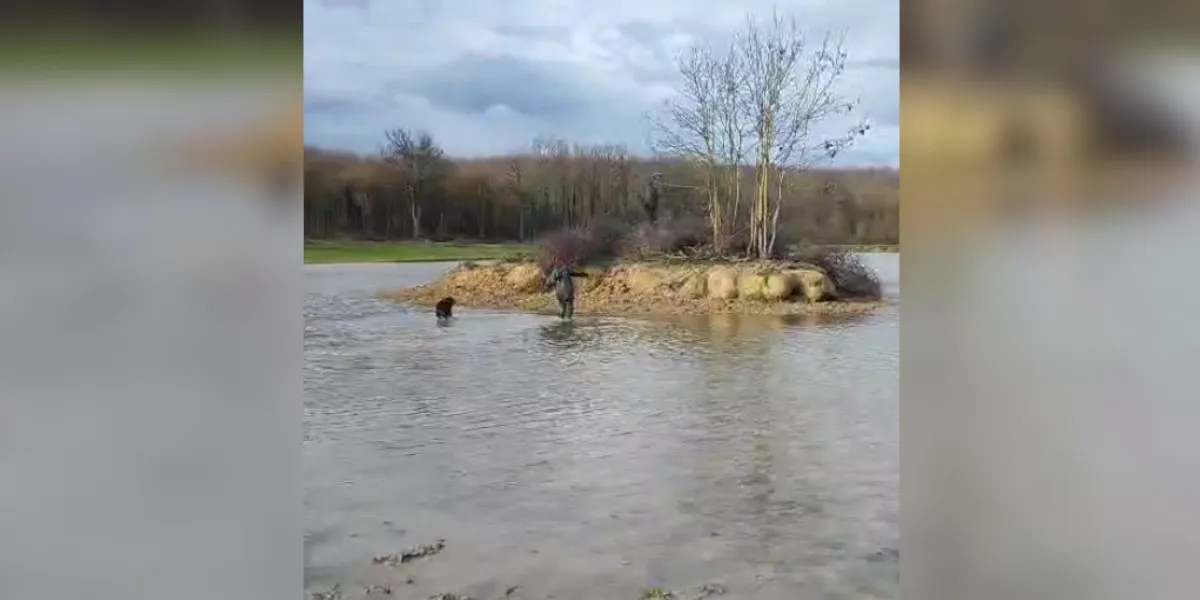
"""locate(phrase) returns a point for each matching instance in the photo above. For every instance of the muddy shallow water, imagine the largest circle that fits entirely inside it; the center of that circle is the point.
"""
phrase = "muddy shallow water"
(596, 458)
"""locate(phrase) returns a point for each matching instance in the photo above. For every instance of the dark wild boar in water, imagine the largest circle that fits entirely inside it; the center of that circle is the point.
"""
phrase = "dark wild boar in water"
(444, 308)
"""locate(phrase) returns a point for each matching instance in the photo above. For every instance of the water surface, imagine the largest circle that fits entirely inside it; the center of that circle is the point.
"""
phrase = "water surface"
(595, 458)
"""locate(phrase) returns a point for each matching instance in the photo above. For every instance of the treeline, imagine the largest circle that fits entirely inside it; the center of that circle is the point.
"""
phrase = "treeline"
(413, 190)
(268, 14)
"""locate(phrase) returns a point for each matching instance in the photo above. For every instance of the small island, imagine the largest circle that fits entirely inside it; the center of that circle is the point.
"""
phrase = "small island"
(796, 281)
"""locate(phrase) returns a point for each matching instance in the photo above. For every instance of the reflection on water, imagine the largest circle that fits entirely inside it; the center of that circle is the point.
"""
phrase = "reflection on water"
(594, 457)
(560, 334)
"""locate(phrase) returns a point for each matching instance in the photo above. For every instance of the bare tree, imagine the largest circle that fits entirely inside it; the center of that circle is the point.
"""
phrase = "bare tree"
(690, 129)
(764, 95)
(789, 91)
(560, 160)
(620, 172)
(358, 176)
(516, 189)
(651, 199)
(420, 161)
(734, 135)
(811, 101)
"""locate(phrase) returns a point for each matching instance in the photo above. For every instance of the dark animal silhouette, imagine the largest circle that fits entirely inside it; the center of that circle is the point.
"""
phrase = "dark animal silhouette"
(444, 308)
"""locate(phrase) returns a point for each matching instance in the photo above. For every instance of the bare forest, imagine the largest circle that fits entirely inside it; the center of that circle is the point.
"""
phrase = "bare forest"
(523, 196)
(738, 167)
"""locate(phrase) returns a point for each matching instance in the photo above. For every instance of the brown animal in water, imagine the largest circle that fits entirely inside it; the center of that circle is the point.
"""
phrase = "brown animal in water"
(444, 308)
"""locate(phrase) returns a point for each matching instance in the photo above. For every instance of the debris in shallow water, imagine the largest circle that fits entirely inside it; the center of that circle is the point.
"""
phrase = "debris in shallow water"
(511, 590)
(697, 593)
(445, 596)
(378, 589)
(708, 589)
(333, 593)
(422, 551)
(411, 554)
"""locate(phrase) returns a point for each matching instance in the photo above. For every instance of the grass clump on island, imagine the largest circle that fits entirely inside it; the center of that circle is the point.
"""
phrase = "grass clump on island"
(409, 251)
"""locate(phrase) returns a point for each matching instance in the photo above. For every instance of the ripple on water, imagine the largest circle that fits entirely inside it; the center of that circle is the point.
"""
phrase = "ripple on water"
(553, 455)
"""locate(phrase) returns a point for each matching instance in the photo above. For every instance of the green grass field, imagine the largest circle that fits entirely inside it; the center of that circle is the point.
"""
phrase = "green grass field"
(168, 53)
(376, 252)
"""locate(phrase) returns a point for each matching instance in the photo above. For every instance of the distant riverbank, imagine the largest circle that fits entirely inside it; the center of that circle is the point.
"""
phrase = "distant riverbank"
(319, 252)
(408, 251)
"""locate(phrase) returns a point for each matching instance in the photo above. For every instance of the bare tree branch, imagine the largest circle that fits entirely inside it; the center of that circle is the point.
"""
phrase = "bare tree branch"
(421, 163)
(790, 90)
(695, 125)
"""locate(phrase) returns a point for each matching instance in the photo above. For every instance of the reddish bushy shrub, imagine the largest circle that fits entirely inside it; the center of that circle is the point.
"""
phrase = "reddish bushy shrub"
(573, 247)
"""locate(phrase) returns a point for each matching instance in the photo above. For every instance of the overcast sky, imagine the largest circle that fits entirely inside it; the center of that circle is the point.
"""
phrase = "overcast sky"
(487, 76)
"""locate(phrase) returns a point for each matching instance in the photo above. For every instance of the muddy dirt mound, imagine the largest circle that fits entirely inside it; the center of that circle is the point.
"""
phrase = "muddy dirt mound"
(642, 288)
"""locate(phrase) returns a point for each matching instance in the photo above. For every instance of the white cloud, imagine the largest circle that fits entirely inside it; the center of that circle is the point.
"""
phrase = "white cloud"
(487, 77)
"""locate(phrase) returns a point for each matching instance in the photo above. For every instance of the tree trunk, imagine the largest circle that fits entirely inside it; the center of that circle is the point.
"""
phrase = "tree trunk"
(481, 219)
(717, 218)
(775, 213)
(736, 197)
(414, 212)
(758, 218)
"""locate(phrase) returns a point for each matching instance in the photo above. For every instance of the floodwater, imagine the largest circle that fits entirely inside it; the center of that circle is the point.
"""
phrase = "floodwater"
(600, 457)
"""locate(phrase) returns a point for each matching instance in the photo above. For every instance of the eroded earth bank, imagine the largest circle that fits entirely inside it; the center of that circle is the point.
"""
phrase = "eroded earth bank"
(684, 288)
